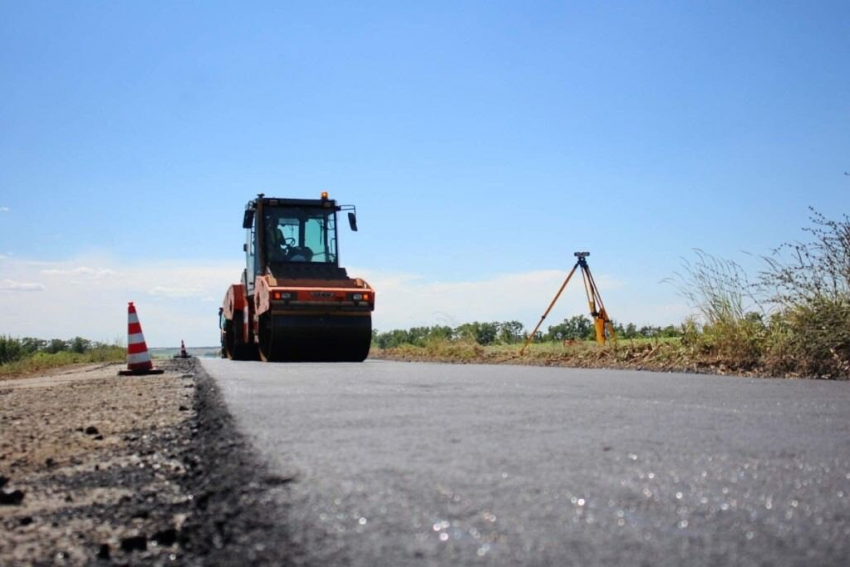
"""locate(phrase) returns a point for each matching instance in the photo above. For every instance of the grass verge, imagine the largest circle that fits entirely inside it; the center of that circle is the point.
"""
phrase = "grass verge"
(664, 355)
(41, 361)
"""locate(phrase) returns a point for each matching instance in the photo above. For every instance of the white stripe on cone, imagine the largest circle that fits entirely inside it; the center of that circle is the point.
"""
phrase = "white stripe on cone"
(135, 339)
(132, 318)
(138, 358)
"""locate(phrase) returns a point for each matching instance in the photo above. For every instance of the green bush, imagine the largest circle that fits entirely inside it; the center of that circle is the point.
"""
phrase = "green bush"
(809, 283)
(813, 339)
(794, 320)
(10, 350)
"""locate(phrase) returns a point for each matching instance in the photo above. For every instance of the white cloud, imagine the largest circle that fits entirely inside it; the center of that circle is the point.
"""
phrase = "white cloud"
(81, 271)
(4, 209)
(405, 300)
(169, 296)
(176, 292)
(179, 300)
(12, 285)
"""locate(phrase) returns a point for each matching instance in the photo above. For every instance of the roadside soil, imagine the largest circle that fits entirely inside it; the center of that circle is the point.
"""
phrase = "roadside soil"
(97, 468)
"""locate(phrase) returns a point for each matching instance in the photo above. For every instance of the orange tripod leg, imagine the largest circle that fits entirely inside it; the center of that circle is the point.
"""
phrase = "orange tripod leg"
(548, 309)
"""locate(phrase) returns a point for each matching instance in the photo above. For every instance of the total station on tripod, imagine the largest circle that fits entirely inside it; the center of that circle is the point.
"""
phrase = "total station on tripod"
(601, 322)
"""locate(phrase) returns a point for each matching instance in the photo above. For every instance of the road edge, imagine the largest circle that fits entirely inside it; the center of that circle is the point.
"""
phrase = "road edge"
(240, 516)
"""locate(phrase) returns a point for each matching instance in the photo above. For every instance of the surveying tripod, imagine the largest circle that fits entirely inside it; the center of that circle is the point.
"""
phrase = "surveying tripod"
(600, 317)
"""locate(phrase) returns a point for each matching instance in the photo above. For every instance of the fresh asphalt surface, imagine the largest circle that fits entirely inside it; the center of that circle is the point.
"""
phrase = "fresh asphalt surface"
(430, 464)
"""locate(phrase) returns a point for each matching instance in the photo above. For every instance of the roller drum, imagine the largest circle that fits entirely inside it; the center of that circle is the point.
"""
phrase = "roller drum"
(315, 338)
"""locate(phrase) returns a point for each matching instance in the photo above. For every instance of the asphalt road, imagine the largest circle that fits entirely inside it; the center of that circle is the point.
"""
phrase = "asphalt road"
(428, 464)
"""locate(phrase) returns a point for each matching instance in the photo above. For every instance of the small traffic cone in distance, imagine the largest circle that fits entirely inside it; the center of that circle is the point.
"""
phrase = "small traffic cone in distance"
(138, 357)
(183, 353)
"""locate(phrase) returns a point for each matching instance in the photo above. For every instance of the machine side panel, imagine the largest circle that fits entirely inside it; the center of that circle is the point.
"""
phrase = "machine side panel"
(261, 295)
(234, 300)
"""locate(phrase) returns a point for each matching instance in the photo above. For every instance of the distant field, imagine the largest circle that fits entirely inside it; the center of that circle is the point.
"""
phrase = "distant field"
(200, 352)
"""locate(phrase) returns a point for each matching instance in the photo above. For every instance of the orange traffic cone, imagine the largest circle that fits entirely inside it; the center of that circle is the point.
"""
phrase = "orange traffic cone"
(138, 358)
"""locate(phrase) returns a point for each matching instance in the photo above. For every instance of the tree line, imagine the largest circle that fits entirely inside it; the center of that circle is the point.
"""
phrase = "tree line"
(578, 327)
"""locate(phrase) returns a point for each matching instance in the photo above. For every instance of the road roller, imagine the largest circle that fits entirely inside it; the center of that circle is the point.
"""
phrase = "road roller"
(295, 302)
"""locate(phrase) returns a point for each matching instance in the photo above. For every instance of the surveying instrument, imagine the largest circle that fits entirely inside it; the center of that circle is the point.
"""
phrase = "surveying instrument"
(600, 317)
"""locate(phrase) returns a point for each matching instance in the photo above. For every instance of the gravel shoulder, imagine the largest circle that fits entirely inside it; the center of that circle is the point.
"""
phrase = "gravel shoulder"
(101, 469)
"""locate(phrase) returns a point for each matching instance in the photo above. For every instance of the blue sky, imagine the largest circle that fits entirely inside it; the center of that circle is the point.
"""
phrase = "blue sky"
(482, 142)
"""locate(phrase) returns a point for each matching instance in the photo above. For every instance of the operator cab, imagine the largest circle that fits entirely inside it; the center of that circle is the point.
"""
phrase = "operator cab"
(300, 234)
(295, 238)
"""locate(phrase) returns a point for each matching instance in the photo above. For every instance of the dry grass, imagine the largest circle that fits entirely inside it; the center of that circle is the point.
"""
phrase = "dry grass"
(42, 361)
